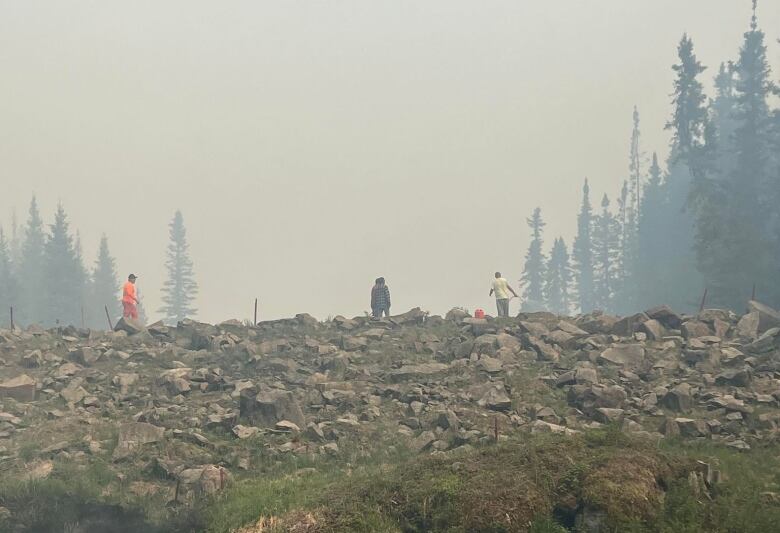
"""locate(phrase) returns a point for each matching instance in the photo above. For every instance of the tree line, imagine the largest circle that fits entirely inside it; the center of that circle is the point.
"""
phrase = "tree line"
(44, 279)
(708, 218)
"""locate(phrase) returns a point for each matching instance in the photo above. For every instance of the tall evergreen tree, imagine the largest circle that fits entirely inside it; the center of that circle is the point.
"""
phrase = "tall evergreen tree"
(558, 279)
(64, 287)
(180, 288)
(8, 287)
(533, 272)
(652, 237)
(31, 274)
(681, 282)
(606, 253)
(105, 286)
(732, 245)
(582, 252)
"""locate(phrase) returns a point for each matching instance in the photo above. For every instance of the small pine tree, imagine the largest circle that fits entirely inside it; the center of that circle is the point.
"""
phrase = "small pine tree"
(64, 285)
(582, 252)
(558, 279)
(606, 242)
(533, 272)
(31, 274)
(105, 286)
(180, 288)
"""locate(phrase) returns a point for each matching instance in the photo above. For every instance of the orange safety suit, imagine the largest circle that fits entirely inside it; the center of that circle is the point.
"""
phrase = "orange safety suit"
(128, 301)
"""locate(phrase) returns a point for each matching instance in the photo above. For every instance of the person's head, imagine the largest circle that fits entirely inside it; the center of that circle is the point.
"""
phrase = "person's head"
(498, 275)
(377, 280)
(381, 281)
(131, 278)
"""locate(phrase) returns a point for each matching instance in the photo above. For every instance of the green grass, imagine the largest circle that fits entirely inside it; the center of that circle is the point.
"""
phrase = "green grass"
(538, 484)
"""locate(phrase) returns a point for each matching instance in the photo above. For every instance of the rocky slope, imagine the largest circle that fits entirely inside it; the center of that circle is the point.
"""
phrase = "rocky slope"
(178, 412)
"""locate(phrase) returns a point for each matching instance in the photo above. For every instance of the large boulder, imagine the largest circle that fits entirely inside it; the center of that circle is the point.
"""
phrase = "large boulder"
(421, 372)
(626, 326)
(679, 398)
(129, 325)
(767, 317)
(266, 408)
(625, 355)
(695, 328)
(134, 435)
(20, 388)
(665, 315)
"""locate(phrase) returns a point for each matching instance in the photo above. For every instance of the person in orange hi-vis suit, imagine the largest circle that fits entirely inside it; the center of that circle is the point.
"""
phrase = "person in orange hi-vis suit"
(129, 299)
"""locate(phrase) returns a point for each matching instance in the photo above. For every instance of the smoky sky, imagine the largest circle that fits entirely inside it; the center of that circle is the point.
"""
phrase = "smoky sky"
(314, 146)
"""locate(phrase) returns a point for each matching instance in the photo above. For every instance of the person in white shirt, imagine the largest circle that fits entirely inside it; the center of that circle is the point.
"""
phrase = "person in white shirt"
(502, 289)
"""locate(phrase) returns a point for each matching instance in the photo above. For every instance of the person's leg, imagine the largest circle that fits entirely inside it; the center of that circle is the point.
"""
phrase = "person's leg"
(134, 312)
(503, 308)
(125, 309)
(387, 312)
(499, 306)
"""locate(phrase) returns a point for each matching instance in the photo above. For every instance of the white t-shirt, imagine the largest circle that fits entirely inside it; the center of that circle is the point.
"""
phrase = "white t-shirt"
(501, 288)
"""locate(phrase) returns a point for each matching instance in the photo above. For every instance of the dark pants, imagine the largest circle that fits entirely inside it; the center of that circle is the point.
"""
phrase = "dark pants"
(503, 307)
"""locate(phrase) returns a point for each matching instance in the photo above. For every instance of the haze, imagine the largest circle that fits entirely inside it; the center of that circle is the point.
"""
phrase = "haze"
(313, 146)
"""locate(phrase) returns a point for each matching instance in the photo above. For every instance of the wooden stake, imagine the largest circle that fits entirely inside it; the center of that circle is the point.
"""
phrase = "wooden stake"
(703, 301)
(495, 428)
(83, 322)
(12, 318)
(255, 322)
(753, 297)
(108, 316)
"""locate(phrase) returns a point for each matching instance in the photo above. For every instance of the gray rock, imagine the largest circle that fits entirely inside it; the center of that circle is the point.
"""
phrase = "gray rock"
(695, 328)
(496, 399)
(679, 398)
(692, 428)
(21, 388)
(423, 441)
(767, 317)
(133, 436)
(653, 329)
(736, 377)
(269, 407)
(626, 355)
(664, 315)
(626, 326)
(130, 326)
(421, 372)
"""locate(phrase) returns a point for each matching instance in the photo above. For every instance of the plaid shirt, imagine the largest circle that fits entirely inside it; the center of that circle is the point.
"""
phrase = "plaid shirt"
(380, 297)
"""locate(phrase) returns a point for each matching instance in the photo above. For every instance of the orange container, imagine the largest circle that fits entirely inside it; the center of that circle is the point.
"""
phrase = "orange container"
(479, 313)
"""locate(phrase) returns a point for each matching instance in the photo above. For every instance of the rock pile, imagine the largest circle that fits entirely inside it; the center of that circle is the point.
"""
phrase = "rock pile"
(193, 404)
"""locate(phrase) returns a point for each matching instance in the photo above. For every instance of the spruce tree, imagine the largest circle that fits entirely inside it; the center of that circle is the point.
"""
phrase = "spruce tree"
(533, 272)
(64, 286)
(105, 287)
(734, 243)
(8, 288)
(681, 283)
(582, 253)
(652, 237)
(30, 272)
(606, 253)
(180, 288)
(558, 279)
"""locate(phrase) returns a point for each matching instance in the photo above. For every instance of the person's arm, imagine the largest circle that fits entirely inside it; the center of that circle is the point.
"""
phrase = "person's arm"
(512, 291)
(491, 292)
(387, 296)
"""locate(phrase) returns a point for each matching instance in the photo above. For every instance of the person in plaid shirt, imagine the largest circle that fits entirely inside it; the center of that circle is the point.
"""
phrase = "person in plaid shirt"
(380, 299)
